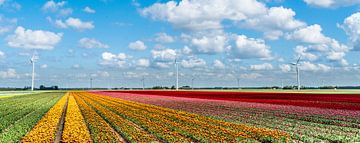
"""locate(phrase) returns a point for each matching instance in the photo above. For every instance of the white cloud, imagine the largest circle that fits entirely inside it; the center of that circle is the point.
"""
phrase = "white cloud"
(89, 10)
(250, 75)
(285, 68)
(351, 26)
(164, 55)
(75, 66)
(33, 39)
(186, 50)
(2, 55)
(203, 14)
(100, 74)
(303, 52)
(44, 66)
(331, 3)
(319, 43)
(143, 62)
(193, 62)
(274, 22)
(137, 45)
(9, 73)
(218, 64)
(247, 48)
(6, 24)
(307, 66)
(75, 23)
(164, 38)
(210, 44)
(264, 66)
(90, 43)
(57, 7)
(110, 59)
(311, 34)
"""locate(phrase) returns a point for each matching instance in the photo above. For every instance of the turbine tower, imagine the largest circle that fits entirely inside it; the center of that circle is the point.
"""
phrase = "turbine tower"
(32, 61)
(177, 74)
(192, 83)
(297, 72)
(143, 82)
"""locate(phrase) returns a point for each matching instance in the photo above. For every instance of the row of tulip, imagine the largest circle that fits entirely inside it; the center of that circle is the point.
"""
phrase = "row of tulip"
(100, 130)
(332, 101)
(15, 112)
(46, 128)
(185, 126)
(304, 124)
(75, 129)
(20, 126)
(130, 131)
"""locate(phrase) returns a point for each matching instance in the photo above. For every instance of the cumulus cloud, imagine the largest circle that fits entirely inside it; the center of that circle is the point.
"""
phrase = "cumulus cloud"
(143, 62)
(6, 24)
(218, 64)
(89, 10)
(351, 26)
(110, 59)
(57, 7)
(274, 22)
(164, 55)
(74, 23)
(318, 42)
(203, 14)
(137, 45)
(209, 44)
(285, 68)
(193, 62)
(331, 3)
(264, 66)
(164, 38)
(186, 50)
(304, 53)
(90, 43)
(247, 48)
(311, 34)
(33, 39)
(307, 66)
(9, 73)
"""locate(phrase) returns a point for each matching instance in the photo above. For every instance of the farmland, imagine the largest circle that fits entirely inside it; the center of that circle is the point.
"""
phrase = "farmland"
(180, 116)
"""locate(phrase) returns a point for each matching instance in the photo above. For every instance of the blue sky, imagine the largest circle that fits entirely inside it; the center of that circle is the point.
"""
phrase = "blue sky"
(117, 43)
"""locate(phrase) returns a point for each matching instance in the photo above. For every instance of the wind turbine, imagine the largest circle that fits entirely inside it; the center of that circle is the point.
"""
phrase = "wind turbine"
(143, 82)
(32, 61)
(238, 82)
(297, 72)
(192, 83)
(177, 74)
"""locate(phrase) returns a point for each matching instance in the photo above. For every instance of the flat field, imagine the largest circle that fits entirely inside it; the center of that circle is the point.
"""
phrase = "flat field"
(181, 116)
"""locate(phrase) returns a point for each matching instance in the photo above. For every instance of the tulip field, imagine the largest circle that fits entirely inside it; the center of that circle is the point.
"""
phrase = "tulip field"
(179, 116)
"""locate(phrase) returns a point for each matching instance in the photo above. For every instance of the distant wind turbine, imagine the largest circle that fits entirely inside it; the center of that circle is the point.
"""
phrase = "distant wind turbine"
(297, 72)
(33, 59)
(143, 82)
(192, 83)
(238, 82)
(177, 74)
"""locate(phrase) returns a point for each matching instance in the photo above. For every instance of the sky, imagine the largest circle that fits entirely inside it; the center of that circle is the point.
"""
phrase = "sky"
(117, 43)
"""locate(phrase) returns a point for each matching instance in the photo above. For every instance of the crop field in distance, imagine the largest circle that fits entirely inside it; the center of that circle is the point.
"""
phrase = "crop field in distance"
(180, 116)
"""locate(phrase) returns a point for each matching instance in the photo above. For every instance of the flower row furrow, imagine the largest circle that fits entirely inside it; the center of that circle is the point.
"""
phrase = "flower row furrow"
(45, 129)
(100, 130)
(129, 130)
(75, 129)
(190, 124)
